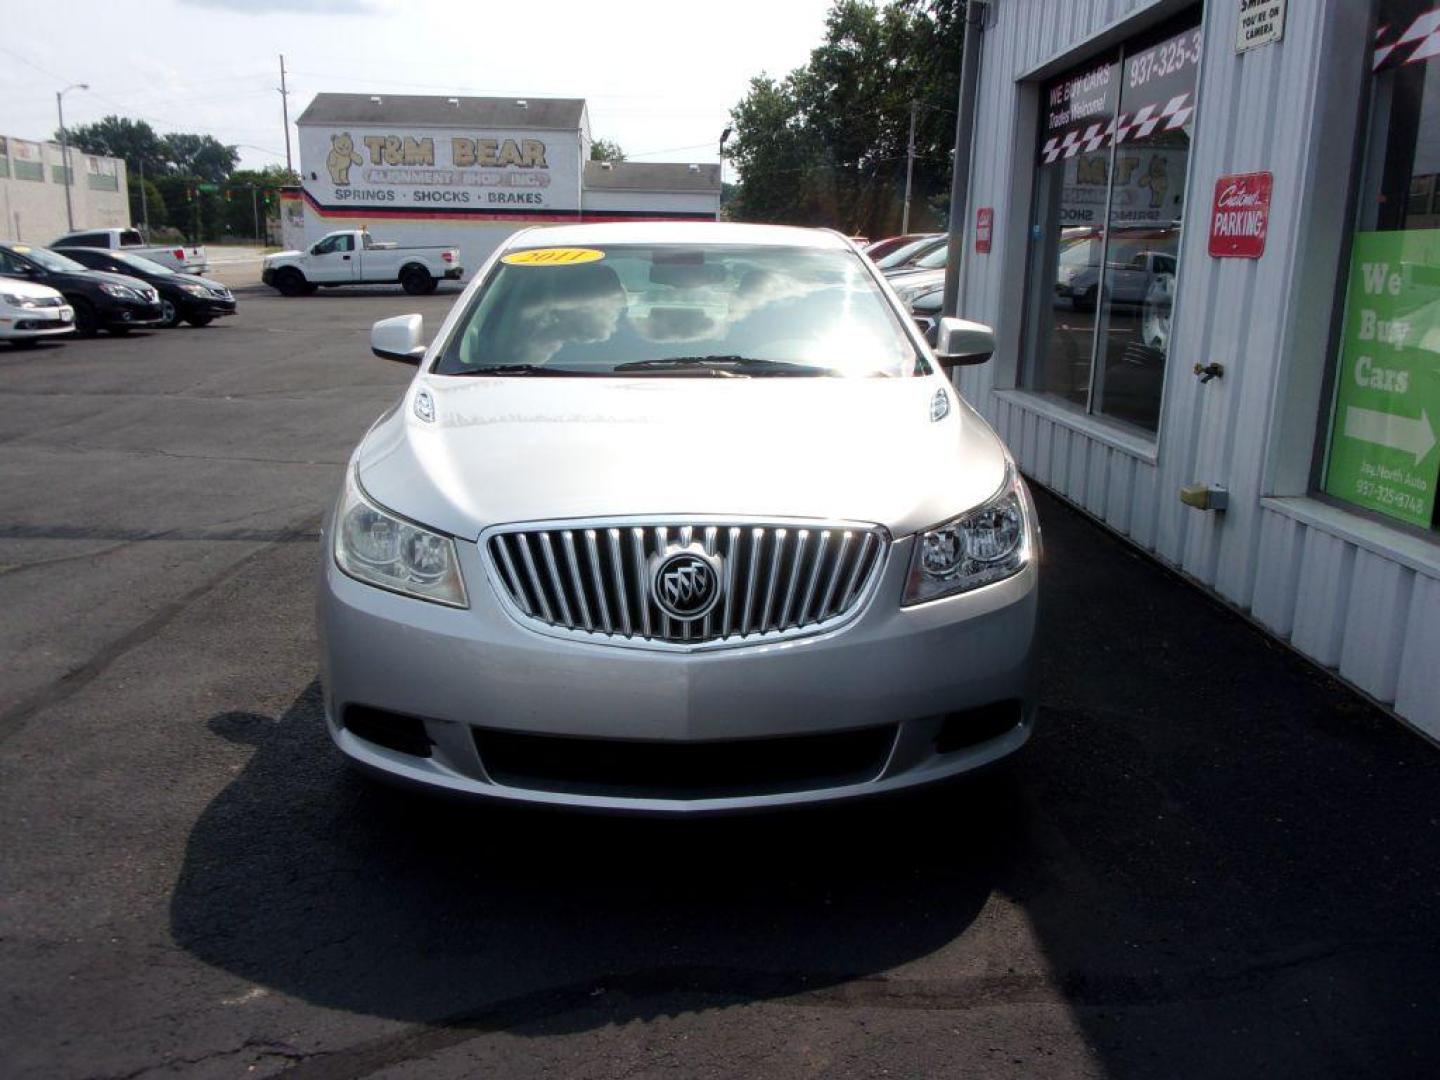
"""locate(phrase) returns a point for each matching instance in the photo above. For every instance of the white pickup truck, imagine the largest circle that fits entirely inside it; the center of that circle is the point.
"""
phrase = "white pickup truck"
(354, 257)
(187, 259)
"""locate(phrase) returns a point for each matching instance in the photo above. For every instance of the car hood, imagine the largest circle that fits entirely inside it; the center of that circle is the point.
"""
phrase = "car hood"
(106, 277)
(31, 289)
(504, 450)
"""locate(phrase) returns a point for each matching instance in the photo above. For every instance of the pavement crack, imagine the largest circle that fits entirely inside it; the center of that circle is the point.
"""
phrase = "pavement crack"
(265, 1048)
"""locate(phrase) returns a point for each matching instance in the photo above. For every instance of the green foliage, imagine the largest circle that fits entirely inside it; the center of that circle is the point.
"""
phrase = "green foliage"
(176, 154)
(826, 145)
(133, 140)
(606, 150)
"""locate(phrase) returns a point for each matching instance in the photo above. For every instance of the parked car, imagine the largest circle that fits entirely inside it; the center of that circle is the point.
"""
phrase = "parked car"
(354, 257)
(559, 571)
(187, 259)
(114, 302)
(183, 297)
(1129, 281)
(30, 312)
(880, 248)
(902, 256)
(930, 262)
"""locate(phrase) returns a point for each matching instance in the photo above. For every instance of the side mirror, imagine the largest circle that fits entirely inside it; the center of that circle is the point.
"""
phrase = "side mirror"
(960, 341)
(399, 339)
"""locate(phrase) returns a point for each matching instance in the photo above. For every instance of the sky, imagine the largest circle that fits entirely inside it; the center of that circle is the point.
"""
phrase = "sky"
(660, 77)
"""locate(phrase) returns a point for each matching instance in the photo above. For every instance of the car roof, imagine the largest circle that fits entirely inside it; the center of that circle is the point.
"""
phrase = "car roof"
(678, 232)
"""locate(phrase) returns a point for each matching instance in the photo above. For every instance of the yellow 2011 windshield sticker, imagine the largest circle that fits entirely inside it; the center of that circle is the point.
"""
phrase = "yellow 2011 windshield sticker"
(553, 257)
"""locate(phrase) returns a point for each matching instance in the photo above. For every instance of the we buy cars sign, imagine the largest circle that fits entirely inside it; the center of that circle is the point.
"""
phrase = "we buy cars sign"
(1240, 217)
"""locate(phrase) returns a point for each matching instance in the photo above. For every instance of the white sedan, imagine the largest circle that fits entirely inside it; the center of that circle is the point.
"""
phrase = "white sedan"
(29, 312)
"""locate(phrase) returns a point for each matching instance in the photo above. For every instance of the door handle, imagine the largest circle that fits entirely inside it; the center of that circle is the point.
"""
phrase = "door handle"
(345, 257)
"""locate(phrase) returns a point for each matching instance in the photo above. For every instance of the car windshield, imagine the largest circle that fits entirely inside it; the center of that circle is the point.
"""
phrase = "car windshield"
(905, 252)
(51, 260)
(142, 264)
(676, 310)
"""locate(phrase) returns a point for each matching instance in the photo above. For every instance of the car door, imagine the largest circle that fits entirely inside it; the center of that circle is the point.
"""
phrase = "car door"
(333, 260)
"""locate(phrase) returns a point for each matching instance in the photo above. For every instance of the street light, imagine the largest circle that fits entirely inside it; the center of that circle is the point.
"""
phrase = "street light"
(65, 149)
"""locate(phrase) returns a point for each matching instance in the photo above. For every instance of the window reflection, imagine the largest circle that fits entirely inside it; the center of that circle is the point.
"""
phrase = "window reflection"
(1105, 239)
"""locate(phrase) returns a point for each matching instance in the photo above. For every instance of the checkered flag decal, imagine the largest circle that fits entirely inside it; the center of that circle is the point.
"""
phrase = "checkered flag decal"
(1145, 122)
(1418, 41)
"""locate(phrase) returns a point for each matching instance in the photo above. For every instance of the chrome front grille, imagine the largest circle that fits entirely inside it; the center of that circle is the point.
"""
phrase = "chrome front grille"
(47, 301)
(593, 579)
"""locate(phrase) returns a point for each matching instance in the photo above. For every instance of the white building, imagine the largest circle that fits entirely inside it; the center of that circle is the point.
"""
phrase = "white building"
(423, 169)
(1257, 180)
(32, 191)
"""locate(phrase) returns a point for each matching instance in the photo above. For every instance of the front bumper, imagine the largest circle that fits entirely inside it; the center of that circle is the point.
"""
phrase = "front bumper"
(119, 312)
(24, 323)
(458, 672)
(211, 307)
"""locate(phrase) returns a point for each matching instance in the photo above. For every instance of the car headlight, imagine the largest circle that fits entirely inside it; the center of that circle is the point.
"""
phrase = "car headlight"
(377, 547)
(17, 301)
(122, 291)
(196, 290)
(980, 547)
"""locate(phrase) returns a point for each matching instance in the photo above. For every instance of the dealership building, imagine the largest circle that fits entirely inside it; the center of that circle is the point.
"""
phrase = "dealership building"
(32, 191)
(469, 171)
(1208, 237)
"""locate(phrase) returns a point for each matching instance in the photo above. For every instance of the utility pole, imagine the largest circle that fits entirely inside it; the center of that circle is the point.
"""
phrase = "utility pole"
(144, 203)
(65, 149)
(909, 168)
(285, 113)
(723, 136)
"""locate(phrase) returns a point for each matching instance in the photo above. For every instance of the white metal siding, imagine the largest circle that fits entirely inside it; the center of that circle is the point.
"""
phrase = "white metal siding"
(1355, 607)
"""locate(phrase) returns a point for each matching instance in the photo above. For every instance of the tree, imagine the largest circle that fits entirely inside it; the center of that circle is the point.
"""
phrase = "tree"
(200, 155)
(133, 140)
(826, 145)
(606, 150)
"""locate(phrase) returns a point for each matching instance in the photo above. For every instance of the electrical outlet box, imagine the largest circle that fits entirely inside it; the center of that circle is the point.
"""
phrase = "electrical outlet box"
(1204, 496)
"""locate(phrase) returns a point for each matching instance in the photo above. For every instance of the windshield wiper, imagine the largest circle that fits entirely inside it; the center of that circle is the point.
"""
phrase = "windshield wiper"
(725, 364)
(523, 369)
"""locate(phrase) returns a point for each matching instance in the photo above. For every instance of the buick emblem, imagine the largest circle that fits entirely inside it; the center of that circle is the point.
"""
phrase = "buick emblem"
(685, 583)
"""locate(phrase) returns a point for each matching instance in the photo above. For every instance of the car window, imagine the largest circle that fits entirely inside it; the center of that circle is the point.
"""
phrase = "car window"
(138, 263)
(10, 264)
(52, 261)
(906, 252)
(935, 260)
(750, 310)
(131, 238)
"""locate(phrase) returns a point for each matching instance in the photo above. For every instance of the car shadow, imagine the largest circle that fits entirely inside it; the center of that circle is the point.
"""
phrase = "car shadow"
(304, 877)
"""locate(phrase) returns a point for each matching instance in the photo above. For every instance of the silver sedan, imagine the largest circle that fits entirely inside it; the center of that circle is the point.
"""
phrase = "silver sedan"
(679, 519)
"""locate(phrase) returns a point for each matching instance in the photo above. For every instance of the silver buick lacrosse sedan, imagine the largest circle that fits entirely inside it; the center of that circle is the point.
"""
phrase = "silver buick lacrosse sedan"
(679, 518)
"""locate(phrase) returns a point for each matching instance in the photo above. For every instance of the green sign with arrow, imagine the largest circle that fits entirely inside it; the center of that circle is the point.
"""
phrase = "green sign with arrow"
(1387, 397)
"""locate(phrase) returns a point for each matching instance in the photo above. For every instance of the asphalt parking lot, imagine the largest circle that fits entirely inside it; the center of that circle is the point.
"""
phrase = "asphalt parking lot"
(1212, 860)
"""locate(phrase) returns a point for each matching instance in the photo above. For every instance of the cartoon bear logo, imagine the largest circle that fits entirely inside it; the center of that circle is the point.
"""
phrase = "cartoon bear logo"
(1157, 180)
(342, 155)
